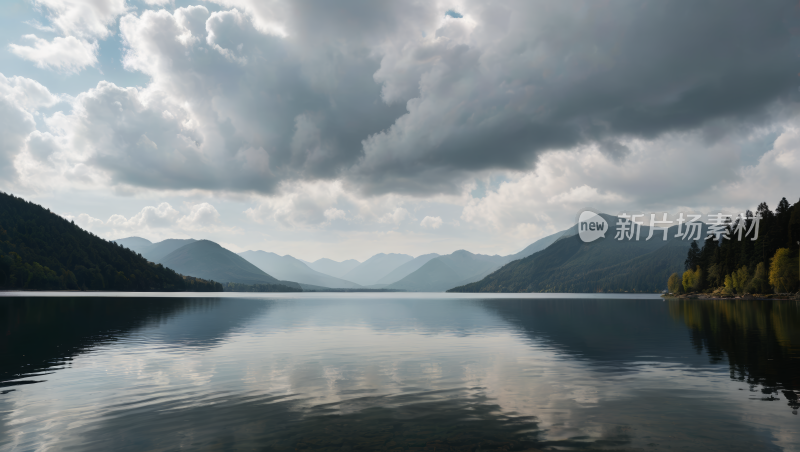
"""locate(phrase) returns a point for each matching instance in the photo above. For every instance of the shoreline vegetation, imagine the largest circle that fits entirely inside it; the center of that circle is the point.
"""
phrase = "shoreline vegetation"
(739, 267)
(749, 297)
(40, 250)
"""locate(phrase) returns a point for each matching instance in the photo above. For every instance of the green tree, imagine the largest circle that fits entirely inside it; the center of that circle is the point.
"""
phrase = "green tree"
(730, 287)
(760, 282)
(692, 279)
(714, 276)
(783, 271)
(741, 279)
(693, 257)
(674, 284)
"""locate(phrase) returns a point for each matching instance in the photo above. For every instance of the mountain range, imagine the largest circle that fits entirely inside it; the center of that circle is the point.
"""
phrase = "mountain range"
(153, 252)
(372, 270)
(203, 259)
(606, 265)
(290, 269)
(560, 262)
(40, 250)
(426, 273)
(332, 267)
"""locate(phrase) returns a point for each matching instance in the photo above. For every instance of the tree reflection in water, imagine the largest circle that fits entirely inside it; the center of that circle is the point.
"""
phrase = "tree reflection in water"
(761, 340)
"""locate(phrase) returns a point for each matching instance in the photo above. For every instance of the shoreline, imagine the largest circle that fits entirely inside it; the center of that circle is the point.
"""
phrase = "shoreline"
(757, 297)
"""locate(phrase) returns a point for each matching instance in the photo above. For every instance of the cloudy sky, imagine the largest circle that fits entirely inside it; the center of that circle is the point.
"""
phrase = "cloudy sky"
(343, 129)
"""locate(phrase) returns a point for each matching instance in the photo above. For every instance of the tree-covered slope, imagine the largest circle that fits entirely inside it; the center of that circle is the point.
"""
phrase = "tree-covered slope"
(40, 250)
(206, 259)
(765, 265)
(607, 265)
(536, 246)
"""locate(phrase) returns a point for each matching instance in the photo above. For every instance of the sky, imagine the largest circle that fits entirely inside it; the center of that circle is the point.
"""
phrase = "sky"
(345, 129)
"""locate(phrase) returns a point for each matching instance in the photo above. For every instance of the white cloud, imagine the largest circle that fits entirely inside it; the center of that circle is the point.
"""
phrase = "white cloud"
(587, 195)
(768, 180)
(26, 93)
(38, 25)
(162, 221)
(83, 18)
(361, 118)
(201, 216)
(431, 222)
(334, 214)
(19, 99)
(304, 205)
(82, 23)
(86, 221)
(67, 54)
(150, 217)
(397, 216)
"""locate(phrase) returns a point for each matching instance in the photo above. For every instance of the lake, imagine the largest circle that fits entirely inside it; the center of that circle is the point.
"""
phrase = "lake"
(371, 371)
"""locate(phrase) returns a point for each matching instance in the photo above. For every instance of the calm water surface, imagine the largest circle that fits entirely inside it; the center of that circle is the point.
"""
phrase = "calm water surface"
(397, 372)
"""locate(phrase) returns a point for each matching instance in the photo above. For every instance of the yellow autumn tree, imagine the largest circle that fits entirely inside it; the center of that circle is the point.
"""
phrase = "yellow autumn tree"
(674, 284)
(783, 271)
(740, 278)
(692, 279)
(760, 282)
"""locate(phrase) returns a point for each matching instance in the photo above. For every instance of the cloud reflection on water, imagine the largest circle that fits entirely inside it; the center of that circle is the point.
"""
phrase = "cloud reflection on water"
(366, 372)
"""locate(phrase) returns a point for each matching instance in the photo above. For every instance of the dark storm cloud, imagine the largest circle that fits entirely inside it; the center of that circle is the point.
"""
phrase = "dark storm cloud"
(571, 73)
(414, 97)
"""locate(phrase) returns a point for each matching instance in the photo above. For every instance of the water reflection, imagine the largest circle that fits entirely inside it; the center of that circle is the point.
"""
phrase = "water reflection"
(611, 335)
(38, 335)
(760, 341)
(370, 373)
(457, 420)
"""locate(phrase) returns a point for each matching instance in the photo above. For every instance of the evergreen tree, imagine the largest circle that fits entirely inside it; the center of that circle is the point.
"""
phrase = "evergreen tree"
(40, 250)
(744, 265)
(693, 258)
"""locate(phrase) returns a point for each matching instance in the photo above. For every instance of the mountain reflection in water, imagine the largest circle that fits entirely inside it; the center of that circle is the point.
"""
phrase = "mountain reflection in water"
(393, 373)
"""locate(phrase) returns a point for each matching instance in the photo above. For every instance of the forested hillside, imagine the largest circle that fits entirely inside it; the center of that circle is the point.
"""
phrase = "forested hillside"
(607, 265)
(733, 266)
(40, 250)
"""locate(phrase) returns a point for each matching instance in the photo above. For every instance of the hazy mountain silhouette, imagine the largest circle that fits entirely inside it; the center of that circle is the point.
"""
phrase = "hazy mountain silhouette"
(376, 267)
(136, 244)
(441, 273)
(445, 272)
(332, 267)
(153, 252)
(406, 269)
(291, 269)
(204, 257)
